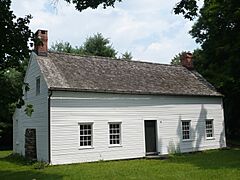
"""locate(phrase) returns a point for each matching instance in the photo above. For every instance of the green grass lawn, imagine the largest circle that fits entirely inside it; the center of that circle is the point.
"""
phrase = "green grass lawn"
(213, 164)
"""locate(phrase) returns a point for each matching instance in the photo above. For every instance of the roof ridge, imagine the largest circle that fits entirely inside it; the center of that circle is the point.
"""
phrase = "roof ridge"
(81, 55)
(116, 59)
(136, 77)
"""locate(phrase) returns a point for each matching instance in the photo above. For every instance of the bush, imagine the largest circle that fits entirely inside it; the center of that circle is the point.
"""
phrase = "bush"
(40, 165)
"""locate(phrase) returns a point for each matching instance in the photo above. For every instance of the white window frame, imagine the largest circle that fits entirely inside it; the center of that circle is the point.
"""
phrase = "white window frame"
(120, 134)
(38, 88)
(183, 130)
(207, 128)
(84, 135)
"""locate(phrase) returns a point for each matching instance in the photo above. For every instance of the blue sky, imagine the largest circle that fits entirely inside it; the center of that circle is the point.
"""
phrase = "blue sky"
(147, 28)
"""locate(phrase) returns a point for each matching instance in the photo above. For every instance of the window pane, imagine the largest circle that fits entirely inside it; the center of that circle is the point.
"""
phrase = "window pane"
(185, 129)
(85, 134)
(209, 128)
(114, 133)
(37, 85)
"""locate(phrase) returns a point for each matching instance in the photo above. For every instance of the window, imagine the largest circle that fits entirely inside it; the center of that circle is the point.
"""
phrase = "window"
(37, 85)
(209, 128)
(114, 133)
(186, 130)
(85, 135)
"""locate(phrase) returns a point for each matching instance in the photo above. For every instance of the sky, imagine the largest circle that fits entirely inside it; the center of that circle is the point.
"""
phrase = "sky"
(147, 28)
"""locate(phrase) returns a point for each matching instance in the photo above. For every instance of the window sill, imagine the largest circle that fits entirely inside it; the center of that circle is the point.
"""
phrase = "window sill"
(210, 138)
(86, 147)
(187, 140)
(115, 146)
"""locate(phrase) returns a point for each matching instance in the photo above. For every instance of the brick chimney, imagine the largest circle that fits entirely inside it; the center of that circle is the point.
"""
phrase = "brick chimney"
(41, 43)
(187, 60)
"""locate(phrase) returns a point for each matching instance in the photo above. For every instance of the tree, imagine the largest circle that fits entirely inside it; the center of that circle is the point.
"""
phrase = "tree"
(66, 47)
(98, 46)
(81, 5)
(177, 58)
(11, 90)
(14, 51)
(14, 37)
(127, 56)
(61, 47)
(188, 8)
(217, 30)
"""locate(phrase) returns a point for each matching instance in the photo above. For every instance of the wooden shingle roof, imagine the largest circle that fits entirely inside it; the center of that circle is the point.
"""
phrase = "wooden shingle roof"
(99, 74)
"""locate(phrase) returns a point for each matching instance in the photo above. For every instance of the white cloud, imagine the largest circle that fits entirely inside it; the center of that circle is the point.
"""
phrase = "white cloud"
(147, 28)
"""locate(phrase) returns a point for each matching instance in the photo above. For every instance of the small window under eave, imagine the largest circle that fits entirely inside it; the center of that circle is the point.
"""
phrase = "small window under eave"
(37, 85)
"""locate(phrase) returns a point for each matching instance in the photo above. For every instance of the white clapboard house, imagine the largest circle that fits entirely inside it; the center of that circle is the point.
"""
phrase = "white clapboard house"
(96, 108)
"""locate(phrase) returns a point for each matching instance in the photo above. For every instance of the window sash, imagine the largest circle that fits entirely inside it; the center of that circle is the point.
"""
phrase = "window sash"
(115, 133)
(209, 128)
(85, 135)
(186, 130)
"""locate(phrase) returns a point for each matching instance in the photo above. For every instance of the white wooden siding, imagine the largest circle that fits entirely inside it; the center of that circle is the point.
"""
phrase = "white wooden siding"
(39, 118)
(70, 108)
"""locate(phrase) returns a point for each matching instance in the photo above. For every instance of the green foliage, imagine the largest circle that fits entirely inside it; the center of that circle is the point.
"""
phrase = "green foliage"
(177, 58)
(21, 160)
(61, 47)
(14, 37)
(11, 90)
(218, 60)
(29, 109)
(40, 165)
(81, 5)
(127, 56)
(188, 8)
(214, 164)
(18, 159)
(65, 47)
(96, 45)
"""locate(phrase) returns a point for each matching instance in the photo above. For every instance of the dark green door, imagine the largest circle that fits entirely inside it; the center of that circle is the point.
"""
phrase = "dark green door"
(150, 137)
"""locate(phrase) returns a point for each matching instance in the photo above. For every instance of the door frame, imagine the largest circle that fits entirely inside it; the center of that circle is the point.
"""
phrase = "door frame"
(156, 134)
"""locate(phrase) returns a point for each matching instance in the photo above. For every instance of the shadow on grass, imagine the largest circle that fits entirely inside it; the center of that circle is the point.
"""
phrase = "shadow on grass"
(212, 159)
(29, 174)
(14, 166)
(17, 159)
